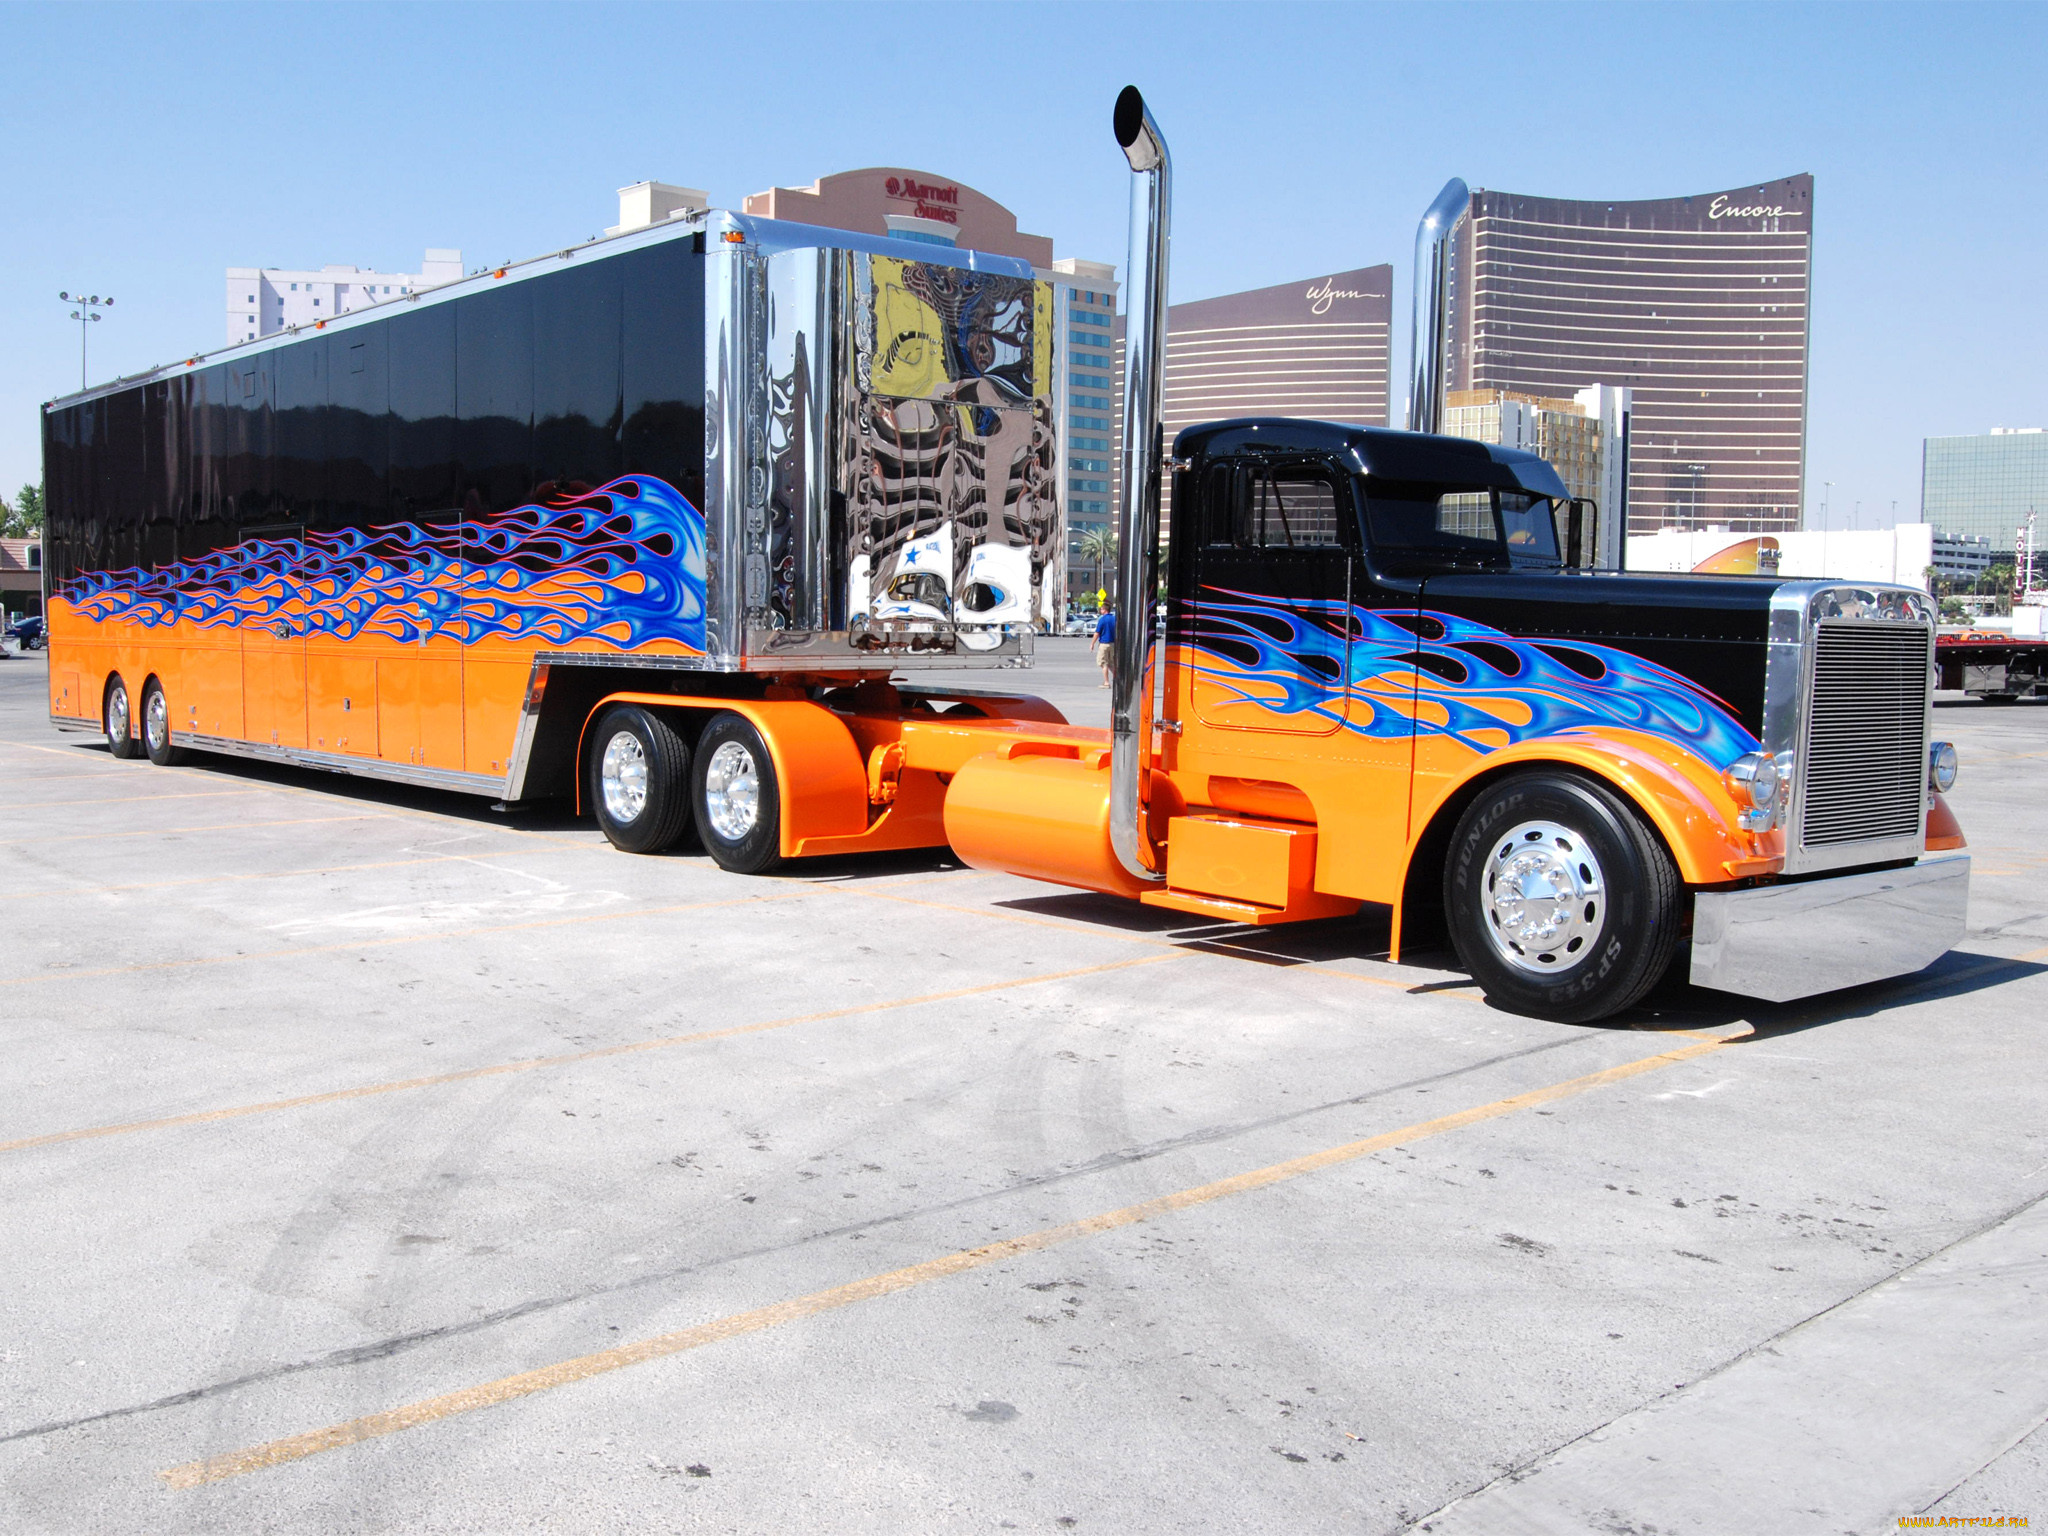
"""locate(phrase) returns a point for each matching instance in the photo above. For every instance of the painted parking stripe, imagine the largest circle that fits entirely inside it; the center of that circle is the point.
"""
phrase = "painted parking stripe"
(52, 894)
(536, 1063)
(391, 942)
(229, 826)
(192, 794)
(257, 1458)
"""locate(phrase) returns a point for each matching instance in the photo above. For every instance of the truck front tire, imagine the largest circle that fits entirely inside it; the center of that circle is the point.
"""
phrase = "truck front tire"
(1562, 902)
(736, 797)
(638, 776)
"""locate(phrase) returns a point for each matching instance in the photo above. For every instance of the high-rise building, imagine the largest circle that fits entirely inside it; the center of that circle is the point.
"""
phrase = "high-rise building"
(1585, 438)
(1090, 330)
(1985, 484)
(263, 300)
(1316, 348)
(1697, 305)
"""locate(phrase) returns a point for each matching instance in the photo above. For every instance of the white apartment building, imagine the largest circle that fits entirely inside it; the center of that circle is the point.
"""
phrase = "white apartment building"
(264, 300)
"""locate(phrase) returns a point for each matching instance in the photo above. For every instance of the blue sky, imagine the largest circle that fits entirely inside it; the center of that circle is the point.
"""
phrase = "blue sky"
(144, 149)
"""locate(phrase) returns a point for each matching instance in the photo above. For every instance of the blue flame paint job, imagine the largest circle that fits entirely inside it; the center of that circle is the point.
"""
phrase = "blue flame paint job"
(623, 563)
(1495, 689)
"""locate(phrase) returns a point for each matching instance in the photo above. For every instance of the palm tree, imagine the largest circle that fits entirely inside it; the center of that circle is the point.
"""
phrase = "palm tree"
(1098, 546)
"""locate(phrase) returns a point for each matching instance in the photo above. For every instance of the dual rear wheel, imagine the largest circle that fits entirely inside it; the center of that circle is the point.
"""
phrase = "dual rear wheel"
(648, 788)
(139, 730)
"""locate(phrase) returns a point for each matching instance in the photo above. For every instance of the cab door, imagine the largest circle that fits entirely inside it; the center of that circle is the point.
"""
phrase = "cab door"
(1271, 633)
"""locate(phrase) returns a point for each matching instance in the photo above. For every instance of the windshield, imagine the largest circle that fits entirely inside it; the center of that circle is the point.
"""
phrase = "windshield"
(1463, 527)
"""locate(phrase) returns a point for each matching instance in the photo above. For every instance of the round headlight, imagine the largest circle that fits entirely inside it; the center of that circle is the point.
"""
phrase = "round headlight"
(1941, 766)
(1754, 776)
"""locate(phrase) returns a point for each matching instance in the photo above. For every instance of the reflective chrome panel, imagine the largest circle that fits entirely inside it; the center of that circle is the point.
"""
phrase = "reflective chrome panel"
(881, 450)
(946, 433)
(1781, 942)
(729, 367)
(799, 364)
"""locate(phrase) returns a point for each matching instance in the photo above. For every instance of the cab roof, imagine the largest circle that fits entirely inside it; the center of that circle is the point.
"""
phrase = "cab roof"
(1378, 452)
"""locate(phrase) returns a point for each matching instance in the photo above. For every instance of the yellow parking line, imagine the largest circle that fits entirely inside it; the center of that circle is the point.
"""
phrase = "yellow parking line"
(196, 794)
(387, 943)
(215, 1469)
(535, 1063)
(267, 874)
(74, 753)
(231, 826)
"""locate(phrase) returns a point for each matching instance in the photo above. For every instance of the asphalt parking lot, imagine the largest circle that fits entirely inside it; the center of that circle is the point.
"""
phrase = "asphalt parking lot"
(375, 1161)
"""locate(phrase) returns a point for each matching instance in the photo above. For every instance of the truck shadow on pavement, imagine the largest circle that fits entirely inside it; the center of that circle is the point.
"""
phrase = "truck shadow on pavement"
(1672, 1004)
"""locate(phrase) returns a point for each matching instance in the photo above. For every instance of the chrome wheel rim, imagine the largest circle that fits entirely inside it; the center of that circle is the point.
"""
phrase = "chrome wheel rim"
(156, 721)
(732, 791)
(1544, 897)
(624, 777)
(117, 715)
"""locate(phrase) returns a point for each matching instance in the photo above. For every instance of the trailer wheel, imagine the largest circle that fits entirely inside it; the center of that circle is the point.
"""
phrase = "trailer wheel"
(117, 714)
(638, 775)
(1562, 902)
(737, 799)
(156, 727)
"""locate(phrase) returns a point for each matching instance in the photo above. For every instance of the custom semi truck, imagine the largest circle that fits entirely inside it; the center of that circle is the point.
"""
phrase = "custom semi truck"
(704, 525)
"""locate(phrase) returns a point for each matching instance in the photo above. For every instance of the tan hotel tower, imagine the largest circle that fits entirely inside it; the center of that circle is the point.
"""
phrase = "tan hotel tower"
(1697, 305)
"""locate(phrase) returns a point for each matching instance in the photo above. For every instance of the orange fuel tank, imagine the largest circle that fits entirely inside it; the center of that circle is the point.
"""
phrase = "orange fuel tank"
(1046, 817)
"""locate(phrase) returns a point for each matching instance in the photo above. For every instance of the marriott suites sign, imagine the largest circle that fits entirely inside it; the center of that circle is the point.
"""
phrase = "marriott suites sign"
(1721, 208)
(933, 202)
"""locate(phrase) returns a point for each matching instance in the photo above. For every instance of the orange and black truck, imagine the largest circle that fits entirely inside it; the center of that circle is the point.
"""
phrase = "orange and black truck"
(721, 527)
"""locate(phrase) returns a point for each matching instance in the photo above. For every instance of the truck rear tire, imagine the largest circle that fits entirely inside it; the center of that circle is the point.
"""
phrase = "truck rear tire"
(117, 716)
(156, 727)
(637, 778)
(737, 799)
(1562, 902)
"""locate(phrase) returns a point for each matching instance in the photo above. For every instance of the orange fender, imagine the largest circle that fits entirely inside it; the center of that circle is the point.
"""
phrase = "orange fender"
(1683, 797)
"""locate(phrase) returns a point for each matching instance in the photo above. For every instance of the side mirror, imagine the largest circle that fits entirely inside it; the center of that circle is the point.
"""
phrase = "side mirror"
(1581, 518)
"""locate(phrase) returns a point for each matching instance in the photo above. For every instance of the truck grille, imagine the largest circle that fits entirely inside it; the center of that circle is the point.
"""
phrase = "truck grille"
(1866, 735)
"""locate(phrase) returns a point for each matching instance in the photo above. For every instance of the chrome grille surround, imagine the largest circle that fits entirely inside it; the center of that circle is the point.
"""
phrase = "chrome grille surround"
(1848, 695)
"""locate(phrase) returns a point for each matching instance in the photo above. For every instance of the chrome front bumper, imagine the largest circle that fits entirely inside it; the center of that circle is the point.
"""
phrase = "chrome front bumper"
(1780, 942)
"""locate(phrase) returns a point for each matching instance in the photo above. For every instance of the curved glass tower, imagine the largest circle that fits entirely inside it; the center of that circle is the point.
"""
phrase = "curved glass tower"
(1698, 304)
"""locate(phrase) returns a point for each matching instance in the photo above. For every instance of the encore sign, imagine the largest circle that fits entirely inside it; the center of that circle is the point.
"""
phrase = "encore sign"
(933, 202)
(1720, 208)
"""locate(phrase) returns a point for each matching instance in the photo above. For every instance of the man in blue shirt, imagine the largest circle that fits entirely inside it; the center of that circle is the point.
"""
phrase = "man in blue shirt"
(1105, 643)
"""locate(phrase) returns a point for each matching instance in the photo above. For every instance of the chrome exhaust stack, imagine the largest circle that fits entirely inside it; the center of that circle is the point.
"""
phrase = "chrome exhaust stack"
(1428, 335)
(1137, 519)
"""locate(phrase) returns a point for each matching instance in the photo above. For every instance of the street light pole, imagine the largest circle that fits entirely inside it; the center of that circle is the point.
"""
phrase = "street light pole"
(86, 313)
